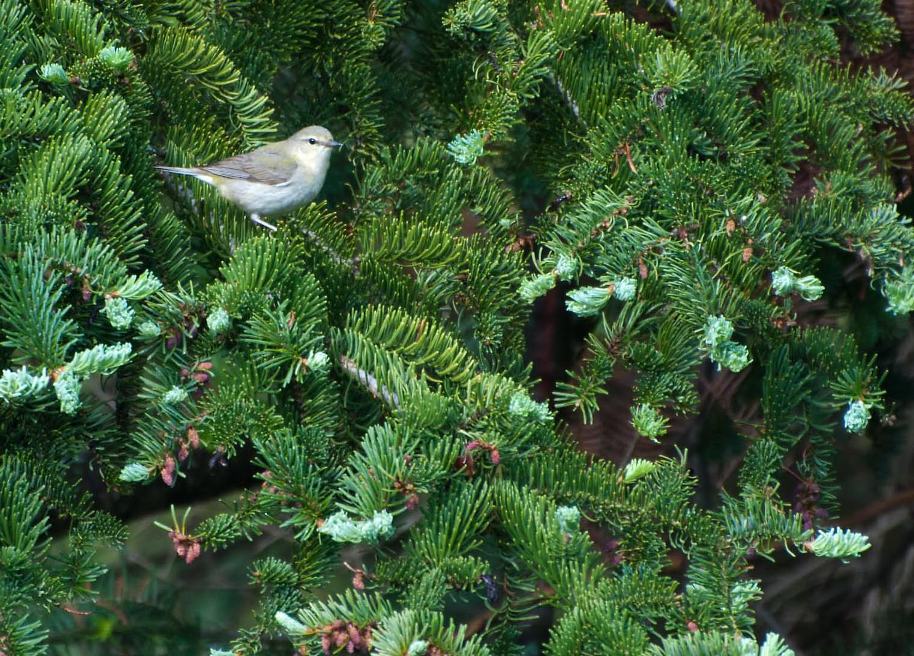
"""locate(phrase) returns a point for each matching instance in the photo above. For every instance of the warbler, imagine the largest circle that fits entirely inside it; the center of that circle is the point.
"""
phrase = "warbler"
(272, 179)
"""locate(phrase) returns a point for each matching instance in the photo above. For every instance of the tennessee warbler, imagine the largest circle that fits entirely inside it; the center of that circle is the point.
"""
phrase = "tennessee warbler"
(272, 179)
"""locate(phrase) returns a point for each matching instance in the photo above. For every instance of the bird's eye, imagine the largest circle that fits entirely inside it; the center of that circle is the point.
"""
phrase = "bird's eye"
(312, 141)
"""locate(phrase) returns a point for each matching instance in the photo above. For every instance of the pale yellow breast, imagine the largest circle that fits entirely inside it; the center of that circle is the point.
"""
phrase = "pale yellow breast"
(268, 200)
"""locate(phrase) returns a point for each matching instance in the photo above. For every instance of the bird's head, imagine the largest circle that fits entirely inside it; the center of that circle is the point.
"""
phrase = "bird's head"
(314, 142)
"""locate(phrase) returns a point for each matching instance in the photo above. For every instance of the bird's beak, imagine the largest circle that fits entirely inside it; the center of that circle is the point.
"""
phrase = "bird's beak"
(336, 144)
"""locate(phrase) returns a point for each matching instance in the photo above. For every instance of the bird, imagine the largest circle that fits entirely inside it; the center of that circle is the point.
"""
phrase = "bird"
(273, 179)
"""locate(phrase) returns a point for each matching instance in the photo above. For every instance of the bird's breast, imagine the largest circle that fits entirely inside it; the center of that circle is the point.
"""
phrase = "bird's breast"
(267, 200)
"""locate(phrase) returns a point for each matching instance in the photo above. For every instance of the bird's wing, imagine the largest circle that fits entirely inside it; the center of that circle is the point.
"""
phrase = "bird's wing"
(265, 165)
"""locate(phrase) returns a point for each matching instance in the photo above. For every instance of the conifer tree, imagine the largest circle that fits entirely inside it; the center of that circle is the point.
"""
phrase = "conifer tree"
(371, 352)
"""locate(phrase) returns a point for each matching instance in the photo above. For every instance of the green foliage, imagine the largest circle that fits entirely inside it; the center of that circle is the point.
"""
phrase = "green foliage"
(838, 543)
(701, 644)
(370, 353)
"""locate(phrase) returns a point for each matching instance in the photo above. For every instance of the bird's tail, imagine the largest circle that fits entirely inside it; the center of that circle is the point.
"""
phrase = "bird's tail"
(180, 170)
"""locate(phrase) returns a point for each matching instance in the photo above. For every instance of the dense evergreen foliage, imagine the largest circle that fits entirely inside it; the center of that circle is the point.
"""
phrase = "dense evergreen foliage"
(371, 352)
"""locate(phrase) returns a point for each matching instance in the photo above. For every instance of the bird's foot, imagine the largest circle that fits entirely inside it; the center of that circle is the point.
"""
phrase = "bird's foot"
(256, 219)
